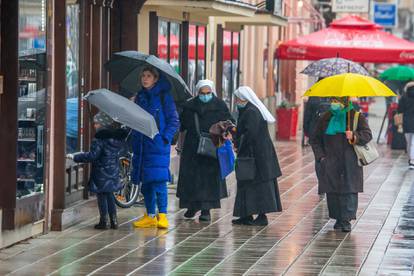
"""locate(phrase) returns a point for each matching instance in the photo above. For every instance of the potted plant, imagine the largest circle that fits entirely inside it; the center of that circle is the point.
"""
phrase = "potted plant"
(287, 120)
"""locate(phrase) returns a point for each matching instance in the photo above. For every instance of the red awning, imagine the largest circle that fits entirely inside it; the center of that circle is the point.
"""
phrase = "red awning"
(353, 38)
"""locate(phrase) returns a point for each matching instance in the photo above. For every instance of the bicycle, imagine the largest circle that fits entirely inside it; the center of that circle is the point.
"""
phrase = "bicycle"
(130, 193)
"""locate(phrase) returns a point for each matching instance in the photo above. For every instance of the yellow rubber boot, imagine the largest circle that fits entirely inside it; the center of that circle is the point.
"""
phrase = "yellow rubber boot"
(162, 221)
(146, 222)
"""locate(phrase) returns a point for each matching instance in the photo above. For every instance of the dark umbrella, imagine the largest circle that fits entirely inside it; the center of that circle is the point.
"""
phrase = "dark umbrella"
(333, 66)
(126, 67)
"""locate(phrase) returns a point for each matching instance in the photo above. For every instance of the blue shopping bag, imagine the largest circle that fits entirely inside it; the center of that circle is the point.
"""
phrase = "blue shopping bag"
(225, 156)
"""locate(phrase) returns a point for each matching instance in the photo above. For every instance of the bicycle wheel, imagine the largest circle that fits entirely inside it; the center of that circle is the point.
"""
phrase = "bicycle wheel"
(129, 193)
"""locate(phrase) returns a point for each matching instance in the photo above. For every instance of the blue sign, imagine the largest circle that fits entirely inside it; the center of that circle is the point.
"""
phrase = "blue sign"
(385, 14)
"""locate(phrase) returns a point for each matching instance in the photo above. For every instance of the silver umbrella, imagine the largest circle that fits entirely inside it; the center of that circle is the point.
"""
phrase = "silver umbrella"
(123, 111)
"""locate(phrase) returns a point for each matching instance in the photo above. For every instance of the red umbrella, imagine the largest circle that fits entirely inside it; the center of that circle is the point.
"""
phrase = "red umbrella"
(353, 38)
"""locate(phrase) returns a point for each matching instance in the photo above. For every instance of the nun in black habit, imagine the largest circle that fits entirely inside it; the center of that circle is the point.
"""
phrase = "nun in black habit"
(261, 195)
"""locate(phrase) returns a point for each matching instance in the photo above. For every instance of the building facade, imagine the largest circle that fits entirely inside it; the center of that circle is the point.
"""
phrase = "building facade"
(53, 52)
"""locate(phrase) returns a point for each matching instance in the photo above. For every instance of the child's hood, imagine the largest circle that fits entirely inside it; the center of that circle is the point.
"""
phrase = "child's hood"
(113, 137)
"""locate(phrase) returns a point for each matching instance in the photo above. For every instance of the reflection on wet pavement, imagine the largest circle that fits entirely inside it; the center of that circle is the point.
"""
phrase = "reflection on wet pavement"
(298, 241)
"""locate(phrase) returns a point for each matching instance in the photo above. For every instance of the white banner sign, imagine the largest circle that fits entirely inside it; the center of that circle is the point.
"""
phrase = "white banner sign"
(361, 6)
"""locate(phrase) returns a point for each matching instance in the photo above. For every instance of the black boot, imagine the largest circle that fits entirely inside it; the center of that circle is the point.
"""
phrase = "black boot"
(338, 224)
(205, 215)
(190, 214)
(243, 221)
(103, 224)
(261, 220)
(346, 226)
(114, 221)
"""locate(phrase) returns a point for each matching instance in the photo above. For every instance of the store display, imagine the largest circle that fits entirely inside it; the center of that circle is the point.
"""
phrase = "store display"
(30, 129)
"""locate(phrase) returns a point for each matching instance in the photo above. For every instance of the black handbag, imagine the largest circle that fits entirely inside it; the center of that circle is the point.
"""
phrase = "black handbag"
(245, 166)
(205, 146)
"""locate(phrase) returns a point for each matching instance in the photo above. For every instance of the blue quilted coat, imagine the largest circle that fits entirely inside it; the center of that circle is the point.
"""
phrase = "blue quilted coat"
(104, 156)
(151, 159)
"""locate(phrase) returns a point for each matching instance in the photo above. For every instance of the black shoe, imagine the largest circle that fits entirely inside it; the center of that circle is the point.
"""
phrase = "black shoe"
(261, 220)
(346, 226)
(338, 225)
(190, 214)
(205, 215)
(114, 222)
(243, 221)
(103, 224)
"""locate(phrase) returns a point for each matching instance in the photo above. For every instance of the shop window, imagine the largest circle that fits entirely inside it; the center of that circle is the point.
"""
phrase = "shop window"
(169, 43)
(196, 55)
(31, 98)
(230, 65)
(72, 78)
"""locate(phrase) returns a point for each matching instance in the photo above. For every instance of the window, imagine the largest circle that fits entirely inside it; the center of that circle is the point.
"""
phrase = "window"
(72, 78)
(230, 65)
(196, 55)
(169, 43)
(31, 97)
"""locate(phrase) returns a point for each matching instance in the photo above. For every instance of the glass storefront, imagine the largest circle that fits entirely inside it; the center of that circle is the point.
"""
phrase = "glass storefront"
(196, 55)
(230, 65)
(169, 43)
(31, 97)
(72, 78)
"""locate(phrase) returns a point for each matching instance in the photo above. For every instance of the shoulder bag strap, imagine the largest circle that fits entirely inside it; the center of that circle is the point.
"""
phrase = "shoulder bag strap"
(197, 123)
(356, 119)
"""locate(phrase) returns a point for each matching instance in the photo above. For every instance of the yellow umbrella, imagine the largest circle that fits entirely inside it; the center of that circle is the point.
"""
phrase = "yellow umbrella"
(349, 85)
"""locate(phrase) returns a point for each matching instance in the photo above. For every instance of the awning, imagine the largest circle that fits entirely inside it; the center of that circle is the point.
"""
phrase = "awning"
(261, 18)
(206, 8)
(352, 38)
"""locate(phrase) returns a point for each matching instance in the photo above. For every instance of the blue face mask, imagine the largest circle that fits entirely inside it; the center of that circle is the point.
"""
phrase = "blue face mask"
(205, 98)
(336, 106)
(241, 105)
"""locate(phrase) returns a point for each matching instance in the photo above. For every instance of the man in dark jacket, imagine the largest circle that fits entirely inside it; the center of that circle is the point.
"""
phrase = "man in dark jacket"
(104, 156)
(199, 185)
(340, 175)
(314, 108)
(406, 107)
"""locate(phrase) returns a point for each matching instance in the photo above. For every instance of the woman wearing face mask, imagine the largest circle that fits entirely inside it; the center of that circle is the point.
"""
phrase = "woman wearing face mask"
(341, 178)
(199, 185)
(260, 196)
(151, 159)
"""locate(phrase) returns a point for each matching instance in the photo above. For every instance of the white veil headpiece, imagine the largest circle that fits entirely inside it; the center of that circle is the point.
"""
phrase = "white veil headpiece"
(203, 83)
(245, 93)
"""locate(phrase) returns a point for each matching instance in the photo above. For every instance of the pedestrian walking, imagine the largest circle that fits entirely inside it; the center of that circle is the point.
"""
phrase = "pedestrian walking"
(406, 108)
(340, 177)
(151, 157)
(104, 156)
(200, 186)
(260, 195)
(314, 108)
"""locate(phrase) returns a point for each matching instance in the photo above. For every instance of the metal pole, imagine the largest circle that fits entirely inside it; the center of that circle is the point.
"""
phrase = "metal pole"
(382, 125)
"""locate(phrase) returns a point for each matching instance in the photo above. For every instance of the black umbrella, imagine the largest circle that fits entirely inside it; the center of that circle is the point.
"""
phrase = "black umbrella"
(126, 67)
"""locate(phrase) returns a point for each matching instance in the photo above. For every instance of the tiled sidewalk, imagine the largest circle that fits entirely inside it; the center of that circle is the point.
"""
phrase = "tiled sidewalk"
(297, 241)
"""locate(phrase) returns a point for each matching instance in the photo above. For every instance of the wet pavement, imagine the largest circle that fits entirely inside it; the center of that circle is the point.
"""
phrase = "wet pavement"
(298, 241)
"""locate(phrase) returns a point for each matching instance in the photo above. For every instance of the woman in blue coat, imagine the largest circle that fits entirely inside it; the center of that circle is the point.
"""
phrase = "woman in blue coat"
(151, 159)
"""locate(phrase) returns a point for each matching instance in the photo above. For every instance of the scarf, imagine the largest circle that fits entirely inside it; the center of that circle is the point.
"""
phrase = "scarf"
(337, 124)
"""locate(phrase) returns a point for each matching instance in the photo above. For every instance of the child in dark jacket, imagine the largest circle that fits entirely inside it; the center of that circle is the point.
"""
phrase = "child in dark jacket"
(104, 156)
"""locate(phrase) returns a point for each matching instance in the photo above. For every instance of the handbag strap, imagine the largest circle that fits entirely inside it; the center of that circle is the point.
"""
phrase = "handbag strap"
(242, 138)
(197, 123)
(356, 119)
